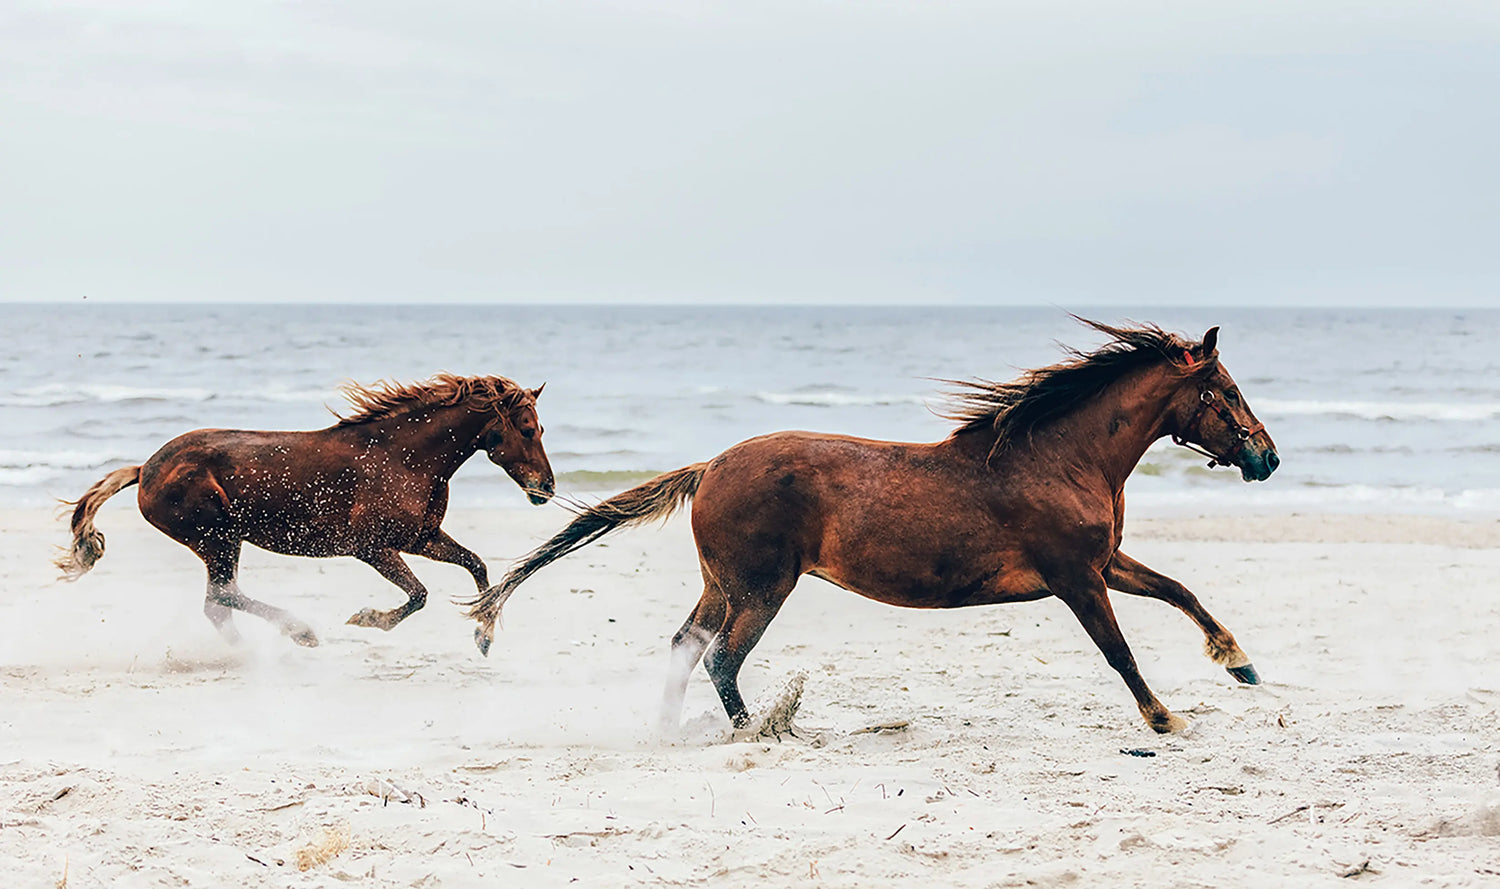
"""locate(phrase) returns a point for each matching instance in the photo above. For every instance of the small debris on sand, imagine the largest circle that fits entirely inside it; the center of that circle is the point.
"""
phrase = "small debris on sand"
(333, 841)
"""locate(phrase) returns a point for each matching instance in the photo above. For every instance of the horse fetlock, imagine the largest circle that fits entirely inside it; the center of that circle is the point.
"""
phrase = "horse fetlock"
(1228, 654)
(1164, 722)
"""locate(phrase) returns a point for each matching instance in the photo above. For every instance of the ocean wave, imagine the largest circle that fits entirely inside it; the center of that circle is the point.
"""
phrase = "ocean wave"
(1382, 410)
(14, 459)
(606, 479)
(27, 477)
(575, 453)
(290, 396)
(57, 394)
(827, 398)
(1326, 496)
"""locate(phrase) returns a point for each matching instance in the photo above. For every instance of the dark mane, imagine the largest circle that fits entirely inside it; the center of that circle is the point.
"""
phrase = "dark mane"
(386, 398)
(1014, 409)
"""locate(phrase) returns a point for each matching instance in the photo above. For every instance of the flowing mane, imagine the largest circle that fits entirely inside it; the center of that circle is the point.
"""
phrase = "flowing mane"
(1014, 409)
(386, 398)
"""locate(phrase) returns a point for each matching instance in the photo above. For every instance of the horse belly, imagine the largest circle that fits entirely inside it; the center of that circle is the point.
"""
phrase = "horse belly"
(987, 581)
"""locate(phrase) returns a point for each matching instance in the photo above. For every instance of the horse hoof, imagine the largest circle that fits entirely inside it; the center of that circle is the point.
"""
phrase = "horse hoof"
(1245, 674)
(303, 635)
(482, 638)
(367, 617)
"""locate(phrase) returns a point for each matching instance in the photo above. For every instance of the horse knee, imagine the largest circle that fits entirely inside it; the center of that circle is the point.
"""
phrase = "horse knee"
(691, 634)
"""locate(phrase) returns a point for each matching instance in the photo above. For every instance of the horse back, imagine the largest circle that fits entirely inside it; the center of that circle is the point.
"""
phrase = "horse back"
(302, 493)
(912, 524)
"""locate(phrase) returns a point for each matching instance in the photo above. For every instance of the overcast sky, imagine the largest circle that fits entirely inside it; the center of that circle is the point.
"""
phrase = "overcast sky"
(991, 152)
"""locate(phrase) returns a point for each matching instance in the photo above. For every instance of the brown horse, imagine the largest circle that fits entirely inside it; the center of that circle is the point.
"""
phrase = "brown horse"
(372, 486)
(1023, 501)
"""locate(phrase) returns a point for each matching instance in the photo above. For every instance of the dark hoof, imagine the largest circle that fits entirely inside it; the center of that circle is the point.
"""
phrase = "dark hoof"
(483, 640)
(1245, 674)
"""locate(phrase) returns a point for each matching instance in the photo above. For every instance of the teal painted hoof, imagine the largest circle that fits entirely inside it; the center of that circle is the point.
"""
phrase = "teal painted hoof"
(1245, 674)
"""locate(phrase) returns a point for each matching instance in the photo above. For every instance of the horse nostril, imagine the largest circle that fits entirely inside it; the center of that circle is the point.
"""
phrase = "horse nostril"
(1272, 461)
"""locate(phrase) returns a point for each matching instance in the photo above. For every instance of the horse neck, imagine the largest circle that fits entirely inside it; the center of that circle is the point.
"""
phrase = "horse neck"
(1110, 432)
(1114, 429)
(436, 440)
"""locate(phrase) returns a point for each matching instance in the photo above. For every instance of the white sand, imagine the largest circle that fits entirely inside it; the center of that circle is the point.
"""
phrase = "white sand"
(137, 749)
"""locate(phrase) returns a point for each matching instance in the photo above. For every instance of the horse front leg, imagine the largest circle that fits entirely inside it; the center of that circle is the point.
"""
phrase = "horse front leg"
(442, 548)
(393, 568)
(1089, 600)
(1129, 576)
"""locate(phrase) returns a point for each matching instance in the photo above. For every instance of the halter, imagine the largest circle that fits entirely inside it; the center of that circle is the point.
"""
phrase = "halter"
(1208, 400)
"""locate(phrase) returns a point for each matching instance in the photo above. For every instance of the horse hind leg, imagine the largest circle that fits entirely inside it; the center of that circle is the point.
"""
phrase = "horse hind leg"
(224, 594)
(220, 615)
(222, 569)
(688, 646)
(745, 621)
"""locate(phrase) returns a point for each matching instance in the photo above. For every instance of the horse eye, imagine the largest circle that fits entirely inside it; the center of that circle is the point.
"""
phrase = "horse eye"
(1231, 396)
(528, 433)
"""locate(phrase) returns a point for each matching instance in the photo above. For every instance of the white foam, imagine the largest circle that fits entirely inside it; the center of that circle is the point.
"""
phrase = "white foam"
(835, 399)
(19, 459)
(1382, 410)
(54, 394)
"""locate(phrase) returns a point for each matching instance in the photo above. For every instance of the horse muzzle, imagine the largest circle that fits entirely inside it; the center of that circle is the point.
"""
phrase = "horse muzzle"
(540, 493)
(1257, 465)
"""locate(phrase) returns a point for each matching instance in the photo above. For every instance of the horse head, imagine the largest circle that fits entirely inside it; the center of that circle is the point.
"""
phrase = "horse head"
(513, 442)
(1210, 412)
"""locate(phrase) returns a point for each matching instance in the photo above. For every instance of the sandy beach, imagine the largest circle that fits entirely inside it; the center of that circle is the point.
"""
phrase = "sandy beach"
(977, 747)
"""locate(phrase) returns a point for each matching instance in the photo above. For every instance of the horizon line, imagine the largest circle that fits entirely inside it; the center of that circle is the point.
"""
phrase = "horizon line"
(1085, 304)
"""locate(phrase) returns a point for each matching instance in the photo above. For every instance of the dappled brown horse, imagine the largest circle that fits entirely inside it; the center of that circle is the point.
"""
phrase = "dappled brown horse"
(372, 486)
(1023, 501)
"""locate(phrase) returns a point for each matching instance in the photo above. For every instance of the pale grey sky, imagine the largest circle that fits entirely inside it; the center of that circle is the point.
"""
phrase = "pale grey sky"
(991, 152)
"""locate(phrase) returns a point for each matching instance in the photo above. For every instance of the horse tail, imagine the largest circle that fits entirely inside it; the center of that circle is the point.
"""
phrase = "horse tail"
(656, 499)
(88, 542)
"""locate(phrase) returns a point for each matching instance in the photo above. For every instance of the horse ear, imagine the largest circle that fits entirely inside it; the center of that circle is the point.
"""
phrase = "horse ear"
(1210, 342)
(537, 392)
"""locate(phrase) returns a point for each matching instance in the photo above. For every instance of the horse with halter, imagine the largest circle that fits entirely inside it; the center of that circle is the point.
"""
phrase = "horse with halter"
(373, 486)
(1024, 500)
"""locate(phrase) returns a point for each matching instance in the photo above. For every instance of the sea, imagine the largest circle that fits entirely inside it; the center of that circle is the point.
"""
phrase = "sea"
(1372, 410)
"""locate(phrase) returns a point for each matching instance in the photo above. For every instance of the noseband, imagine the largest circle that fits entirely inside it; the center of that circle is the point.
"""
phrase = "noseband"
(1207, 400)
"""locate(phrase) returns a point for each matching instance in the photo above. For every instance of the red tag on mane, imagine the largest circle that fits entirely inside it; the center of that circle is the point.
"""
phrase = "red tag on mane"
(1188, 356)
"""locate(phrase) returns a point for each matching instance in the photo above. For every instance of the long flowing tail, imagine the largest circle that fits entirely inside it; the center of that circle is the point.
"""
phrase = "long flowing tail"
(655, 499)
(88, 543)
